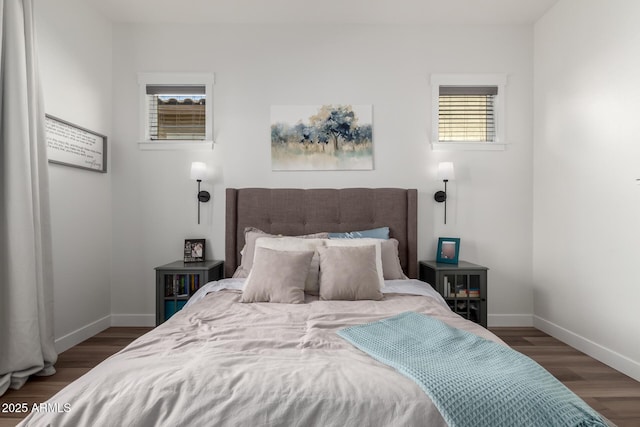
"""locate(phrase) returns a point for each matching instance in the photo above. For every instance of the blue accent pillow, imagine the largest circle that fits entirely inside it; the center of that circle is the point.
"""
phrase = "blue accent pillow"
(374, 233)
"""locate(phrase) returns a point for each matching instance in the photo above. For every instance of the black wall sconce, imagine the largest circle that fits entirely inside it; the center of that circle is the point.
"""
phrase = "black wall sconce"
(445, 173)
(198, 173)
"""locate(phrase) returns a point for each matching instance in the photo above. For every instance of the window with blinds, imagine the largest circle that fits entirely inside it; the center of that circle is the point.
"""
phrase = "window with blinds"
(467, 113)
(176, 112)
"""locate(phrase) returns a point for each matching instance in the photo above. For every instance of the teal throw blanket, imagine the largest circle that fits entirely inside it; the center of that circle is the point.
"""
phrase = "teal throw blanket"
(471, 380)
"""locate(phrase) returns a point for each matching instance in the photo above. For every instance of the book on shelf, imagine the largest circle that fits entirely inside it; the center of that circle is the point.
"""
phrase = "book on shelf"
(457, 291)
(168, 286)
(448, 291)
(181, 285)
(194, 283)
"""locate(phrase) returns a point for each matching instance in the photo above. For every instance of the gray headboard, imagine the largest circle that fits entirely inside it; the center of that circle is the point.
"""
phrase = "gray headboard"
(298, 211)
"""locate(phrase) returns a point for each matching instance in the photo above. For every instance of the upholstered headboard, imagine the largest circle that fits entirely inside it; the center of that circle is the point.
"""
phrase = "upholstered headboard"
(298, 211)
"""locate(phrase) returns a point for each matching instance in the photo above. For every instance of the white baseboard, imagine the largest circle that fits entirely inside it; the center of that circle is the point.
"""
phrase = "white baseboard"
(145, 320)
(76, 337)
(609, 357)
(509, 320)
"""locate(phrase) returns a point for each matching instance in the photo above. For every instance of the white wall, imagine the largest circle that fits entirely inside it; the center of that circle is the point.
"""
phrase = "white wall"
(587, 157)
(75, 68)
(257, 66)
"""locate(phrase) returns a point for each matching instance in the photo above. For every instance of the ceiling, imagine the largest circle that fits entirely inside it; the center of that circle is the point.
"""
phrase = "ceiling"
(482, 12)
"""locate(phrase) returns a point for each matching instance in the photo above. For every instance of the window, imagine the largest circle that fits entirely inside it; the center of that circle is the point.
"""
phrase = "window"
(468, 110)
(175, 111)
(465, 113)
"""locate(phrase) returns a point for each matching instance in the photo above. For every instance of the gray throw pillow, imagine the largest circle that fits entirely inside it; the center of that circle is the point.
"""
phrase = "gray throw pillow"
(349, 273)
(277, 276)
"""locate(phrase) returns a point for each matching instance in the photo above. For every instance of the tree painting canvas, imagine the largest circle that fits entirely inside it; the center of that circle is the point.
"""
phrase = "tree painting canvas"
(321, 137)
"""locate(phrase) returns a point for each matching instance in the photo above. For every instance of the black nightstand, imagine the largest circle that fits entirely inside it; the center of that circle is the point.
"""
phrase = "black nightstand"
(462, 285)
(178, 281)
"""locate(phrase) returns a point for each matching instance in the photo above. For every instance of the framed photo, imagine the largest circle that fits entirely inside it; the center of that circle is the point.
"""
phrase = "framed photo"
(448, 250)
(194, 250)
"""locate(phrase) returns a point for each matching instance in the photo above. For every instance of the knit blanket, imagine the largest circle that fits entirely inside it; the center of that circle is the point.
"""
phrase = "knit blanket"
(472, 381)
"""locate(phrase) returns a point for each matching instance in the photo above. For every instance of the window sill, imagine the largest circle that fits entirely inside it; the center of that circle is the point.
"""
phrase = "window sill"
(175, 145)
(468, 146)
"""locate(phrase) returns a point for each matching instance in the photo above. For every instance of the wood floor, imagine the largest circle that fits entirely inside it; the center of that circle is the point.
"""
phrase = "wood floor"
(613, 394)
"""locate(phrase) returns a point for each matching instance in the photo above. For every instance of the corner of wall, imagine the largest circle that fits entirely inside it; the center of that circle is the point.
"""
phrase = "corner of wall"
(608, 357)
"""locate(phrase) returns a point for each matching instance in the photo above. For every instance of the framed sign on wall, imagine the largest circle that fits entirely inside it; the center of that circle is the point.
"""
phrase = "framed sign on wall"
(71, 145)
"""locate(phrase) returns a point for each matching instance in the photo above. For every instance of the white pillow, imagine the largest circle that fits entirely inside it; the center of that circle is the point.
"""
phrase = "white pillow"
(363, 242)
(297, 244)
(251, 234)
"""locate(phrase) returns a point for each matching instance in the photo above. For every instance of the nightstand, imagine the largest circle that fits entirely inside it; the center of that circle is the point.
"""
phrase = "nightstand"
(462, 285)
(176, 282)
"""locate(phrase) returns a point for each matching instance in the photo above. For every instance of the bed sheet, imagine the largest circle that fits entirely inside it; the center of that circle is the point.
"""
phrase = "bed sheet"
(222, 362)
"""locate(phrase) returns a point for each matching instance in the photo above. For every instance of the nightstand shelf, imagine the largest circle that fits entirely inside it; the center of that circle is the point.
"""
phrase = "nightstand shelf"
(178, 281)
(462, 285)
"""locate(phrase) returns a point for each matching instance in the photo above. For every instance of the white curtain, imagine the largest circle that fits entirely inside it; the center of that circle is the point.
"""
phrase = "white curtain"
(26, 273)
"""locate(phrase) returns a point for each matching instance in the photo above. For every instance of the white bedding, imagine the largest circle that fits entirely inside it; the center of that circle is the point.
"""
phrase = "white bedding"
(220, 362)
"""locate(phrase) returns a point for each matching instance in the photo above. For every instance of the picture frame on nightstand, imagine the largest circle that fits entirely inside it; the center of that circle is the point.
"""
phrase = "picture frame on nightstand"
(194, 250)
(448, 250)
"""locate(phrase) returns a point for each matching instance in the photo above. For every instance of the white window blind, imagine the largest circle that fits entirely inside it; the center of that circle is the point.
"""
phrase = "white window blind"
(176, 112)
(467, 113)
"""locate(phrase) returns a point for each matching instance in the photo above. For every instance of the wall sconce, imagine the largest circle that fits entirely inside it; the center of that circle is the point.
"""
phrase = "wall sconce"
(199, 172)
(445, 173)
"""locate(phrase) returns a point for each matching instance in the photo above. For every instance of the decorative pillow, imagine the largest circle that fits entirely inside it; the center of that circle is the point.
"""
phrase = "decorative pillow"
(391, 268)
(374, 233)
(362, 242)
(250, 236)
(277, 276)
(297, 244)
(349, 273)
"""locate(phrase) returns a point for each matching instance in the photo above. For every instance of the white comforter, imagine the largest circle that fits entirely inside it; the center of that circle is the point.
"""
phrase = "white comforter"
(220, 362)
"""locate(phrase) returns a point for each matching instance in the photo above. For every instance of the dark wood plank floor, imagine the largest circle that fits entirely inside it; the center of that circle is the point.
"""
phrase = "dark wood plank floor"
(613, 394)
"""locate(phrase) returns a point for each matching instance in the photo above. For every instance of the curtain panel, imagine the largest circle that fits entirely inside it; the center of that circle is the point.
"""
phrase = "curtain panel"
(26, 272)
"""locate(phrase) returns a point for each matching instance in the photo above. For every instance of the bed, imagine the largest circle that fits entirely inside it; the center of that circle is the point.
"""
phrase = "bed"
(221, 361)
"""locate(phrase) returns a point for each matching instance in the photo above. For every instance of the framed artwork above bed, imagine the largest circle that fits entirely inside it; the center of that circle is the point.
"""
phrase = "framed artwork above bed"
(321, 137)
